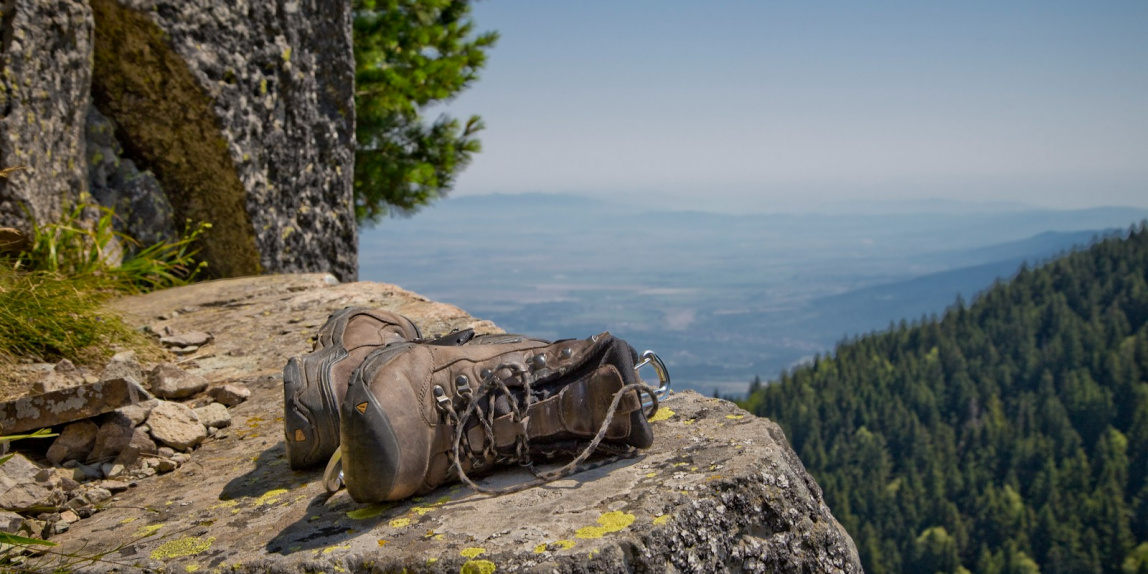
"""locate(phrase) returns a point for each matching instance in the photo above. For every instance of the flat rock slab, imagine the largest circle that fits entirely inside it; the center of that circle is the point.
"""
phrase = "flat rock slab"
(68, 404)
(720, 489)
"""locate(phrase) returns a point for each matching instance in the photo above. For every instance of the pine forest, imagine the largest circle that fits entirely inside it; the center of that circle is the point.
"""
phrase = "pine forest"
(1009, 435)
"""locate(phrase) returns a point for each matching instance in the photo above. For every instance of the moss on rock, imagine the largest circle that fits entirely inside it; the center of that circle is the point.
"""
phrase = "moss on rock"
(169, 128)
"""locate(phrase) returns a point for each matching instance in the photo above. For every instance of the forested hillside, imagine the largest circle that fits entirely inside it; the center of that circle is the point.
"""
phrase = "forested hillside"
(1009, 435)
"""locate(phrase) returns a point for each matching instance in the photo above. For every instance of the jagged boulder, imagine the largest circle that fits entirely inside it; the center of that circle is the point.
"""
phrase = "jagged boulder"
(237, 114)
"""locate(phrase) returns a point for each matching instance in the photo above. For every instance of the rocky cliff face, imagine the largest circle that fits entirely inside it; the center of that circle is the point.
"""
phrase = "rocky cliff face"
(240, 113)
(45, 82)
(720, 490)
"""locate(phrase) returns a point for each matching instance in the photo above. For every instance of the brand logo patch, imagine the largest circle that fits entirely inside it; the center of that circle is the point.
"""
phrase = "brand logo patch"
(361, 407)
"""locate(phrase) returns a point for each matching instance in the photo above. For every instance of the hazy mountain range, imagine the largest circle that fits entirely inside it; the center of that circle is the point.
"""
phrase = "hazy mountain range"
(720, 297)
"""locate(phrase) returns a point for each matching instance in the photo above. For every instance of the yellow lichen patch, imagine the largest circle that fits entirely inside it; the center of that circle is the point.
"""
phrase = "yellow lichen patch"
(127, 520)
(690, 422)
(540, 548)
(186, 546)
(400, 522)
(368, 511)
(472, 552)
(477, 567)
(607, 523)
(714, 477)
(735, 417)
(270, 497)
(441, 501)
(661, 520)
(383, 542)
(421, 510)
(331, 549)
(224, 504)
(676, 464)
(661, 415)
(148, 530)
(651, 474)
(566, 544)
(592, 554)
(191, 567)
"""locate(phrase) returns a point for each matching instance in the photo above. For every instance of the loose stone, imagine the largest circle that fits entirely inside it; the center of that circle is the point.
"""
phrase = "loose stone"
(176, 426)
(171, 382)
(123, 365)
(229, 394)
(75, 442)
(214, 415)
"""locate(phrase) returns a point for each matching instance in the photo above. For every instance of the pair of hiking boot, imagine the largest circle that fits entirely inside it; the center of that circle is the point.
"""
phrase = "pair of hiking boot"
(399, 414)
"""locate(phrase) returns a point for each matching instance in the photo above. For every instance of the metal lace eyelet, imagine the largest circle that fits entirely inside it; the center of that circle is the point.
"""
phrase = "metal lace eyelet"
(442, 403)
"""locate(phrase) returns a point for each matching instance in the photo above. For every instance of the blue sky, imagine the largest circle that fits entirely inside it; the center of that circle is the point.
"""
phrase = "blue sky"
(768, 106)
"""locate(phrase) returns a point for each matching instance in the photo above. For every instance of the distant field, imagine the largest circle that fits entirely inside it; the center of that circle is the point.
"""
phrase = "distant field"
(720, 297)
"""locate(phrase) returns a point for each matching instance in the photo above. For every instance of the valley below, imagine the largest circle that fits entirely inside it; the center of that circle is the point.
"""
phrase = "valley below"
(721, 297)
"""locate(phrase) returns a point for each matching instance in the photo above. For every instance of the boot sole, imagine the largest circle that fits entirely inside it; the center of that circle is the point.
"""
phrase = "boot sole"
(311, 409)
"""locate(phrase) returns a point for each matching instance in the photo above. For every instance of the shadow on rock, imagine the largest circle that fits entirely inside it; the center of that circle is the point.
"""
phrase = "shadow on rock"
(271, 472)
(333, 519)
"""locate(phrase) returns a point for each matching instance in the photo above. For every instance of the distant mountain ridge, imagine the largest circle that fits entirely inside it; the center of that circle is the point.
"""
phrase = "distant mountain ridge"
(722, 297)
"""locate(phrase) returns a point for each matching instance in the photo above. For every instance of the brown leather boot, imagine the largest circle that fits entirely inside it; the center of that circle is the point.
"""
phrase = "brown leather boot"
(314, 384)
(416, 416)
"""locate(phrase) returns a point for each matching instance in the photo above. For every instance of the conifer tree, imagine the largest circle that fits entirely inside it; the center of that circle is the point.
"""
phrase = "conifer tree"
(411, 55)
(1009, 435)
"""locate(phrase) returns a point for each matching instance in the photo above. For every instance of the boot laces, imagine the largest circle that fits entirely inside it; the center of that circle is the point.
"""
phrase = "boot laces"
(493, 386)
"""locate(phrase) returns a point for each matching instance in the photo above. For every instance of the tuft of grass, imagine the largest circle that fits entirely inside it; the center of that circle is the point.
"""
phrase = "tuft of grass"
(49, 316)
(80, 245)
(52, 294)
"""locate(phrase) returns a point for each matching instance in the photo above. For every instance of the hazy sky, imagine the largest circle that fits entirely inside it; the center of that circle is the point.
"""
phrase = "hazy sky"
(802, 104)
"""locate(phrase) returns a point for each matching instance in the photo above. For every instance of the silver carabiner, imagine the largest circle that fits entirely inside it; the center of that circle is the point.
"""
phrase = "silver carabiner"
(651, 358)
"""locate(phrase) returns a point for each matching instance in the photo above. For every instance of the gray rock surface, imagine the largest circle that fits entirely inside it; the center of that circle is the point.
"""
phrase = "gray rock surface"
(240, 114)
(10, 522)
(62, 376)
(192, 339)
(138, 412)
(74, 443)
(721, 490)
(114, 435)
(176, 425)
(168, 381)
(142, 209)
(214, 415)
(45, 81)
(68, 405)
(258, 95)
(123, 365)
(229, 394)
(18, 485)
(139, 445)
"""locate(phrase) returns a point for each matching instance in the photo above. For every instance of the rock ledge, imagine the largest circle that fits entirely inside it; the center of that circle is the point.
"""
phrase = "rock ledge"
(721, 490)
